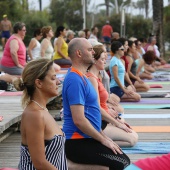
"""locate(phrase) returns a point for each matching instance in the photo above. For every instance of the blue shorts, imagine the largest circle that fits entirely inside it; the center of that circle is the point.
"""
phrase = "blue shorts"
(117, 90)
(107, 39)
(5, 34)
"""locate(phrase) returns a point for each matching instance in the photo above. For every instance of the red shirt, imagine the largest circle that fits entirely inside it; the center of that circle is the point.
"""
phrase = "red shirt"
(107, 30)
(103, 94)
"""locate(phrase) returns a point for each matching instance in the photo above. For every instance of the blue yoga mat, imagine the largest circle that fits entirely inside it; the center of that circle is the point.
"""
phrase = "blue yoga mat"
(148, 148)
(146, 106)
(148, 116)
(150, 101)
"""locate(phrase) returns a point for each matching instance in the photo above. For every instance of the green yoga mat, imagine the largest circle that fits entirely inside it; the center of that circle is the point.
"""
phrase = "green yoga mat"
(157, 82)
(146, 106)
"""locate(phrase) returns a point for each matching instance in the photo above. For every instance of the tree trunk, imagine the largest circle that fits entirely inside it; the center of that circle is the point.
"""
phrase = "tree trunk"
(158, 24)
(40, 5)
(107, 7)
(146, 8)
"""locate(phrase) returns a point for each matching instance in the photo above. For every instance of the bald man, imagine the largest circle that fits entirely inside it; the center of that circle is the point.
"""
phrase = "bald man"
(85, 141)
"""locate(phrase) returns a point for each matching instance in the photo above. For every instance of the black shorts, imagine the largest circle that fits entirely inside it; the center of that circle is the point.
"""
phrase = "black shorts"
(90, 151)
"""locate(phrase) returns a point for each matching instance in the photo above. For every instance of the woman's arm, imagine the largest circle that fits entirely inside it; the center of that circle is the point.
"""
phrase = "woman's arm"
(32, 45)
(13, 50)
(140, 65)
(34, 128)
(105, 115)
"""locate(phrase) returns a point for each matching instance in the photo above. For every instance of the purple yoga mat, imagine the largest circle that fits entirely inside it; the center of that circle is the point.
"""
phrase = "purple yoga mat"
(152, 101)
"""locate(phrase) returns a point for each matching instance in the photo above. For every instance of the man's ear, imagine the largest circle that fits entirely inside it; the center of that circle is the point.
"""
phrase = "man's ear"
(38, 83)
(78, 52)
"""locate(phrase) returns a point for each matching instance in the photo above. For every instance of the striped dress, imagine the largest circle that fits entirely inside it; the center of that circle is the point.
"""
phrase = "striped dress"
(54, 151)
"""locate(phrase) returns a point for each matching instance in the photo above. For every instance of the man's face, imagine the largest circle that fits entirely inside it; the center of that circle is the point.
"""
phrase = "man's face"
(87, 53)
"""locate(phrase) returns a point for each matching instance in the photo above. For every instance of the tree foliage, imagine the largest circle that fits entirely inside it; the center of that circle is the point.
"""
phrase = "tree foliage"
(67, 13)
(34, 20)
(136, 26)
(13, 8)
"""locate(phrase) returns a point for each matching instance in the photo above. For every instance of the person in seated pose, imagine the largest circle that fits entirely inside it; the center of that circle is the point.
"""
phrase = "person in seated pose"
(147, 59)
(14, 56)
(112, 126)
(117, 71)
(132, 68)
(34, 47)
(85, 141)
(43, 142)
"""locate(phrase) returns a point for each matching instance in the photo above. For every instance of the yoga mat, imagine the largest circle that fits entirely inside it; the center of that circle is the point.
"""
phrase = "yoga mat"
(148, 148)
(145, 106)
(166, 66)
(18, 93)
(156, 91)
(155, 86)
(151, 129)
(152, 95)
(148, 101)
(161, 73)
(148, 116)
(157, 82)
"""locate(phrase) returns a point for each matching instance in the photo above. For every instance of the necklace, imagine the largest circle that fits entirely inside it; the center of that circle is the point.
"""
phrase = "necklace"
(44, 108)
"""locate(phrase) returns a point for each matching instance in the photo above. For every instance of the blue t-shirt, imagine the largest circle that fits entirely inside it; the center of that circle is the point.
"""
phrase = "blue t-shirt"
(78, 90)
(121, 71)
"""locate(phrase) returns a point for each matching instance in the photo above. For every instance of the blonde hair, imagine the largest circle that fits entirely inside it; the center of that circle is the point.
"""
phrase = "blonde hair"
(45, 30)
(36, 69)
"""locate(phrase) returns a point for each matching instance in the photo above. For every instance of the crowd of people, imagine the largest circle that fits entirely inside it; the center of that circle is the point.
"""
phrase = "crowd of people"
(94, 129)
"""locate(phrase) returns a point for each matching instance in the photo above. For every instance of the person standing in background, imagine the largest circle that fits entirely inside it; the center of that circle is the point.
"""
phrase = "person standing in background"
(6, 28)
(107, 31)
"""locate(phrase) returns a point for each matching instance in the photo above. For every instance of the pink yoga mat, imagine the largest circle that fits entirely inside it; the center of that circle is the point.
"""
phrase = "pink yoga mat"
(155, 86)
(166, 66)
(18, 93)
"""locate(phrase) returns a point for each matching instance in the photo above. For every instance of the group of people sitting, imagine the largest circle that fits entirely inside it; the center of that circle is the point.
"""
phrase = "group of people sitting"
(94, 129)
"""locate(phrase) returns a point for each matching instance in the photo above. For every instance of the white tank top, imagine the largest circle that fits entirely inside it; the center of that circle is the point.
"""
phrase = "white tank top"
(36, 50)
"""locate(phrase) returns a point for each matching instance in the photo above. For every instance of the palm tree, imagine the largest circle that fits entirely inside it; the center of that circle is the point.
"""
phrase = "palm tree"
(120, 4)
(146, 8)
(107, 4)
(40, 5)
(158, 23)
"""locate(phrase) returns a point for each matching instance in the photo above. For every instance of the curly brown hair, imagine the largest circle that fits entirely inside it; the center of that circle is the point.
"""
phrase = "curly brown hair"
(45, 30)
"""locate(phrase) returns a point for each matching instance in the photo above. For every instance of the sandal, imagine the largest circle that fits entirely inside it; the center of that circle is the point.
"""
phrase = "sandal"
(1, 118)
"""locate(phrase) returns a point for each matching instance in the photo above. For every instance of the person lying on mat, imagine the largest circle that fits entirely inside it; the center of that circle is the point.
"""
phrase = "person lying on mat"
(43, 142)
(112, 126)
(157, 163)
(85, 141)
(117, 71)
